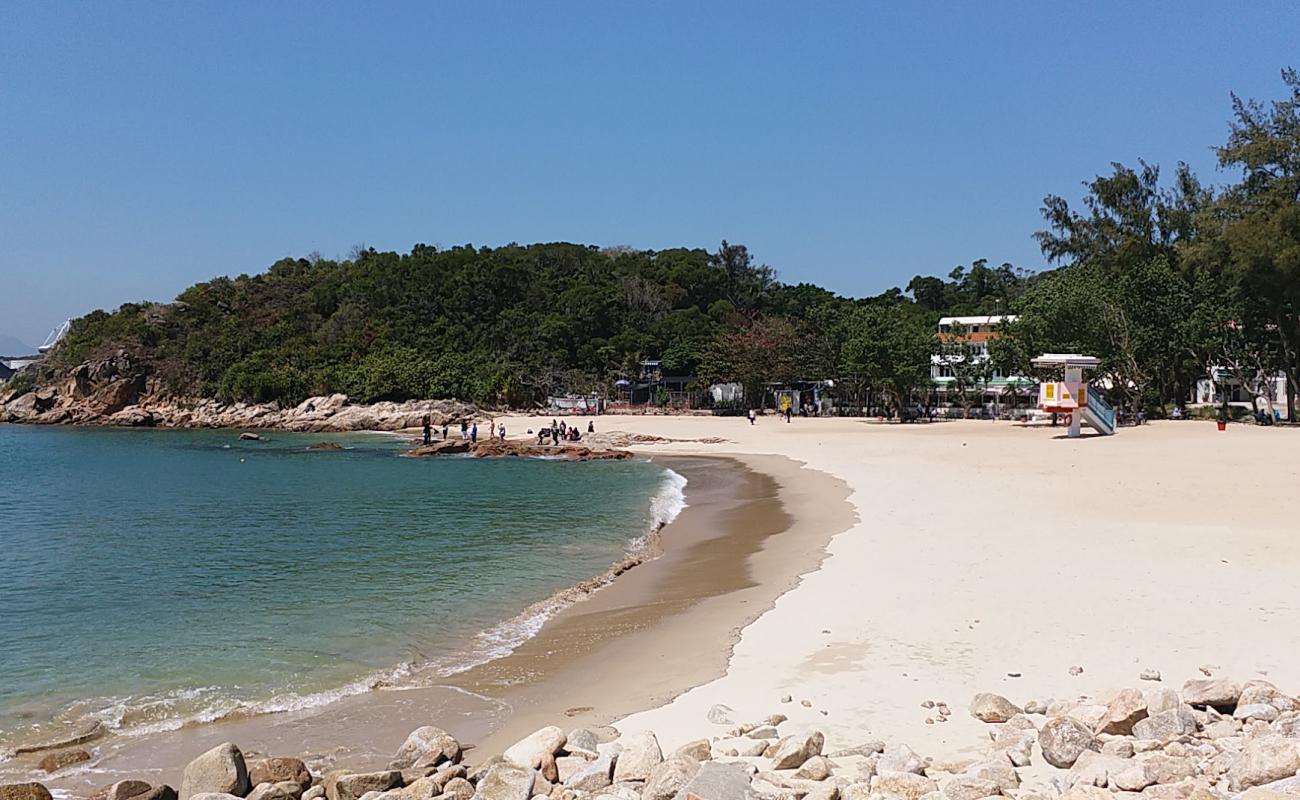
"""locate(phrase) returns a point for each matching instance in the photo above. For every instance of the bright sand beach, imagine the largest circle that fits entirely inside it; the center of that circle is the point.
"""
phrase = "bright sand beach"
(989, 556)
(861, 569)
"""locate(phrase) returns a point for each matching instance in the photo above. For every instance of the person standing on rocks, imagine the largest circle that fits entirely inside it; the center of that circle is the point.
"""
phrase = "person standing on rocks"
(444, 431)
(464, 430)
(501, 432)
(473, 433)
(428, 430)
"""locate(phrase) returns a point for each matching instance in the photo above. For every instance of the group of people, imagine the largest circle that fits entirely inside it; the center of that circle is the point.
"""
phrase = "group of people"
(468, 430)
(562, 432)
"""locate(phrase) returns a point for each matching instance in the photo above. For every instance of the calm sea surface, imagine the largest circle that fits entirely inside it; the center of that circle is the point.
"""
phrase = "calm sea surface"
(155, 577)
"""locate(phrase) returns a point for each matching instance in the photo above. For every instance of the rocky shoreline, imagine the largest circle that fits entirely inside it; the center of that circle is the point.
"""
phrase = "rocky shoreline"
(1213, 740)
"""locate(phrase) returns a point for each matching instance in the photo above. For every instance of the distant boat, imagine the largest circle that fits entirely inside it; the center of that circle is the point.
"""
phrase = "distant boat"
(55, 335)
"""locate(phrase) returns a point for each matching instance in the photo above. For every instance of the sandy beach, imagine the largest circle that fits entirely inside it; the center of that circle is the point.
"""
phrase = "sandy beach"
(860, 569)
(985, 550)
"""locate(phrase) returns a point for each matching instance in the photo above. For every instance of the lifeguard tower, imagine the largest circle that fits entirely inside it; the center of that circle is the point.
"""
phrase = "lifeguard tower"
(1073, 396)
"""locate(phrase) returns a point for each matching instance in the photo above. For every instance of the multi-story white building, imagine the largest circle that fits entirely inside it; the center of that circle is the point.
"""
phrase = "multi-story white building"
(975, 333)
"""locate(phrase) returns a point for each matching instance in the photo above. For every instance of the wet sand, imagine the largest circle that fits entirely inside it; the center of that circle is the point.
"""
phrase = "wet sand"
(656, 631)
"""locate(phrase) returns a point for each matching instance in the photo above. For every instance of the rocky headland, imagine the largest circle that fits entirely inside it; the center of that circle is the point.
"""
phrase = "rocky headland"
(117, 391)
(1213, 740)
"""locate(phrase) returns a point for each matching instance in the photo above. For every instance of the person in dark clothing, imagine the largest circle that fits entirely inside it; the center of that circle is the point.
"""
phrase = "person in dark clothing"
(473, 433)
(444, 431)
(428, 430)
(464, 430)
(591, 426)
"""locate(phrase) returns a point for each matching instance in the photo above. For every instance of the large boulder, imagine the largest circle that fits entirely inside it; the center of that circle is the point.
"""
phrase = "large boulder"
(352, 785)
(1062, 739)
(427, 745)
(533, 748)
(592, 776)
(506, 781)
(1218, 693)
(278, 769)
(900, 758)
(669, 776)
(716, 780)
(792, 751)
(640, 754)
(221, 770)
(1125, 709)
(24, 791)
(1263, 760)
(905, 785)
(582, 742)
(989, 707)
(967, 787)
(281, 790)
(1166, 724)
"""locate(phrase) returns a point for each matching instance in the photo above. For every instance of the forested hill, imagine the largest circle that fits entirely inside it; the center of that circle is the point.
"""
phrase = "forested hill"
(497, 325)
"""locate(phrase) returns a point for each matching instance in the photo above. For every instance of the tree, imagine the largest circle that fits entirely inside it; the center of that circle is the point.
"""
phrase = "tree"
(1252, 234)
(745, 284)
(766, 350)
(888, 347)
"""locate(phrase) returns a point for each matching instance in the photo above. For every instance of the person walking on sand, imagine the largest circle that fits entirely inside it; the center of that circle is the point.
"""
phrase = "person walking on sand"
(428, 430)
(752, 416)
(501, 432)
(473, 434)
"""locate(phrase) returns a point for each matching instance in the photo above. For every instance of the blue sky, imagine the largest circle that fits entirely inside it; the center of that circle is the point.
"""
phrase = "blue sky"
(144, 147)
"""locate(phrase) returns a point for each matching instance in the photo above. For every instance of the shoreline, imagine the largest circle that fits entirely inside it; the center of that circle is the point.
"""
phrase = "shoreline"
(490, 702)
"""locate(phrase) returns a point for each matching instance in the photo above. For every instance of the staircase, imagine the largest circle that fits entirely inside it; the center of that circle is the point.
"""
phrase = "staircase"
(1098, 413)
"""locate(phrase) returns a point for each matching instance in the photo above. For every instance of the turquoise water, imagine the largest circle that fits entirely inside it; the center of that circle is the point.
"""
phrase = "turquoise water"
(155, 577)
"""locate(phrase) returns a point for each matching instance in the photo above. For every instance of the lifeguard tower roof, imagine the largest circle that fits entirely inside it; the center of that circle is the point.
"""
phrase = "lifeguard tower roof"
(1066, 360)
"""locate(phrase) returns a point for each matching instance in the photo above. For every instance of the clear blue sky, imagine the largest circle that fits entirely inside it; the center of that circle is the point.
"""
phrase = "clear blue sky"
(144, 147)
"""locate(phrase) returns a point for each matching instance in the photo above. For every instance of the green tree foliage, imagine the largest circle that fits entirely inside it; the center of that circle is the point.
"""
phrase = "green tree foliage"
(888, 347)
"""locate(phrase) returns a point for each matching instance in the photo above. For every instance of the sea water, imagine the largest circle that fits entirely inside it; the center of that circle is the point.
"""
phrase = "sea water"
(150, 579)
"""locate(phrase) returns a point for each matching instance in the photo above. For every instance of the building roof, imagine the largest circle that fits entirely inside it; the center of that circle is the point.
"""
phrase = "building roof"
(987, 319)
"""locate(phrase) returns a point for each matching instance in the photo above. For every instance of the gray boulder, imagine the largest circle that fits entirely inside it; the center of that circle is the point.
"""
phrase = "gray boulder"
(989, 707)
(592, 776)
(283, 790)
(640, 754)
(905, 785)
(582, 742)
(1125, 709)
(1062, 739)
(715, 780)
(900, 758)
(220, 770)
(1219, 693)
(1166, 725)
(426, 746)
(533, 748)
(669, 776)
(506, 781)
(353, 785)
(1264, 760)
(793, 751)
(458, 789)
